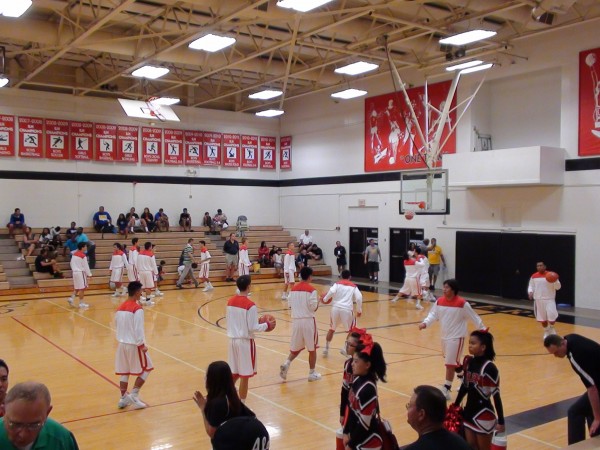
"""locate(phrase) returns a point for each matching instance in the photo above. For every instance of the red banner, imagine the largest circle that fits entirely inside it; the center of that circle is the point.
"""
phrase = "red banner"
(152, 145)
(589, 102)
(193, 147)
(391, 138)
(173, 147)
(57, 139)
(231, 150)
(128, 143)
(82, 140)
(105, 137)
(268, 149)
(212, 148)
(31, 137)
(7, 135)
(249, 151)
(285, 152)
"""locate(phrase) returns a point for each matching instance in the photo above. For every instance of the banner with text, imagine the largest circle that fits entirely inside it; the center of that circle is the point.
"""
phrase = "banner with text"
(7, 135)
(31, 139)
(57, 139)
(285, 152)
(212, 148)
(268, 149)
(231, 150)
(82, 140)
(105, 137)
(128, 143)
(152, 145)
(249, 151)
(193, 147)
(173, 147)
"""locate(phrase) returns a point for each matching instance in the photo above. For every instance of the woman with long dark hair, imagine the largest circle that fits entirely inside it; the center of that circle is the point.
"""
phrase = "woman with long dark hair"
(3, 385)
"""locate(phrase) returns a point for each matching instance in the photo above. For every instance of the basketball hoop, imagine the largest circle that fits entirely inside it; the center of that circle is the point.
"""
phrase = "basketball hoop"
(421, 205)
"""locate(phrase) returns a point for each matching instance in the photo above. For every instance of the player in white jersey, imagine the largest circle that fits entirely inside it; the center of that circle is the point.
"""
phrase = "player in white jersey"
(453, 312)
(132, 353)
(411, 287)
(289, 270)
(132, 254)
(423, 278)
(342, 296)
(204, 271)
(244, 260)
(81, 271)
(303, 301)
(543, 294)
(147, 270)
(242, 323)
(118, 262)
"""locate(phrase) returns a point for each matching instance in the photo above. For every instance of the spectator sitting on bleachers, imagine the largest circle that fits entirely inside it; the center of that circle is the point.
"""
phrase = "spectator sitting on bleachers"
(185, 220)
(305, 240)
(56, 240)
(278, 262)
(44, 264)
(315, 253)
(70, 245)
(91, 247)
(17, 220)
(207, 220)
(122, 223)
(162, 220)
(45, 238)
(102, 221)
(218, 221)
(134, 221)
(71, 230)
(302, 259)
(263, 255)
(149, 218)
(29, 243)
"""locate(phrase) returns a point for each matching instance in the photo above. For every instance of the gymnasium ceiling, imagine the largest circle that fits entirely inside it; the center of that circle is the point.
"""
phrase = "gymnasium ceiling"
(90, 47)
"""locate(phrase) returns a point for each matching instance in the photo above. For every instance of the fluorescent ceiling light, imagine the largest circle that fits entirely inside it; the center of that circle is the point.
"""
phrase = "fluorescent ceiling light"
(165, 101)
(467, 37)
(476, 69)
(464, 65)
(14, 8)
(270, 113)
(357, 68)
(265, 95)
(212, 43)
(349, 93)
(3, 81)
(152, 72)
(302, 5)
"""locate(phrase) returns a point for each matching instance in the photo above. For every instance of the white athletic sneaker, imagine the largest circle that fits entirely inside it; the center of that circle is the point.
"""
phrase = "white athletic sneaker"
(418, 305)
(159, 293)
(71, 301)
(206, 288)
(325, 352)
(124, 401)
(151, 296)
(283, 370)
(315, 376)
(210, 287)
(116, 294)
(146, 302)
(136, 402)
(284, 296)
(395, 299)
(446, 392)
(21, 258)
(551, 329)
(83, 305)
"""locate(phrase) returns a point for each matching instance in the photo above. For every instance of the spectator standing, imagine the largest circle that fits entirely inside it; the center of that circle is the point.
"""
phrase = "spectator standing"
(16, 220)
(289, 270)
(80, 270)
(231, 248)
(305, 240)
(162, 220)
(436, 259)
(3, 385)
(263, 255)
(149, 218)
(340, 255)
(424, 246)
(26, 424)
(185, 220)
(372, 260)
(543, 294)
(102, 221)
(188, 259)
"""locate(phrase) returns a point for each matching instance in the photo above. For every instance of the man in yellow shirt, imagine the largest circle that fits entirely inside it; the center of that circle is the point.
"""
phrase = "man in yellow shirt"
(436, 258)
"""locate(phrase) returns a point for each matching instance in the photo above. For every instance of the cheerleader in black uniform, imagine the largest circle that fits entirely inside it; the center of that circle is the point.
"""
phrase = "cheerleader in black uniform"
(352, 342)
(481, 382)
(368, 366)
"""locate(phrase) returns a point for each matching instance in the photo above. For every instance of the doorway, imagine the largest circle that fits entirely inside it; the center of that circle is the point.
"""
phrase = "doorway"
(400, 238)
(359, 238)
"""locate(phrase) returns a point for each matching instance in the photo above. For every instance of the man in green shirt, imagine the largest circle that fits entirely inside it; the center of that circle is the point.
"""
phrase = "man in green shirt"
(26, 424)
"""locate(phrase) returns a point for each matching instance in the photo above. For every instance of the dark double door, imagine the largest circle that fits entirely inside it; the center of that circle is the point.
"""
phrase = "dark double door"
(501, 264)
(359, 238)
(400, 239)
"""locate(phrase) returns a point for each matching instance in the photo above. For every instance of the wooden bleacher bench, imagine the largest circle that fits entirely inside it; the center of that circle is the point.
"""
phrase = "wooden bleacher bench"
(4, 285)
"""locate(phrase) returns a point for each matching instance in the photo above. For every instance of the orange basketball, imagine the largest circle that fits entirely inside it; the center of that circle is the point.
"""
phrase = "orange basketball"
(551, 277)
(409, 214)
(266, 319)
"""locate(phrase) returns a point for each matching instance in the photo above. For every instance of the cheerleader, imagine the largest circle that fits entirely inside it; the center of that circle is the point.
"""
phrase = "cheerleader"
(352, 342)
(481, 382)
(368, 366)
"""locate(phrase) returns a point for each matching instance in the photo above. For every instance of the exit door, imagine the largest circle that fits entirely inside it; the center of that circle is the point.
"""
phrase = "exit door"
(359, 239)
(400, 239)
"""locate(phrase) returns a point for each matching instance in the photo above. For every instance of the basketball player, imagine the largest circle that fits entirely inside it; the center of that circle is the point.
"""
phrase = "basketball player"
(205, 267)
(132, 274)
(118, 262)
(543, 294)
(411, 287)
(132, 354)
(289, 270)
(244, 261)
(344, 293)
(146, 268)
(242, 323)
(423, 277)
(453, 312)
(303, 301)
(81, 270)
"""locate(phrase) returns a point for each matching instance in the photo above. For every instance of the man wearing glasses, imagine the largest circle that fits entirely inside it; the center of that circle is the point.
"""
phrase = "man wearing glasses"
(26, 423)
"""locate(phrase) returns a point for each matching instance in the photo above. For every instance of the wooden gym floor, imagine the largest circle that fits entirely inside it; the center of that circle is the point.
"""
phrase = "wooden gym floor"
(73, 353)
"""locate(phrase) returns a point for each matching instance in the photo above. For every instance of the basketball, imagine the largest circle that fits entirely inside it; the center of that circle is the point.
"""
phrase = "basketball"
(266, 319)
(392, 160)
(409, 214)
(551, 277)
(322, 299)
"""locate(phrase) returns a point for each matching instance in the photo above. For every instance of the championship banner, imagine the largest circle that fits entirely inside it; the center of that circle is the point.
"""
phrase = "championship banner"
(589, 102)
(268, 149)
(231, 150)
(391, 139)
(152, 145)
(105, 137)
(57, 139)
(212, 148)
(7, 135)
(31, 137)
(128, 143)
(173, 147)
(193, 147)
(249, 151)
(82, 140)
(285, 152)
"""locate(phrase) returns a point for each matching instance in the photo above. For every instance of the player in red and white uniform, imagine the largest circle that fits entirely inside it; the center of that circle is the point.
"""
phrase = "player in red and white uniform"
(423, 277)
(303, 301)
(242, 323)
(81, 271)
(132, 255)
(132, 354)
(543, 294)
(204, 271)
(343, 295)
(453, 312)
(244, 260)
(147, 270)
(118, 262)
(411, 287)
(289, 270)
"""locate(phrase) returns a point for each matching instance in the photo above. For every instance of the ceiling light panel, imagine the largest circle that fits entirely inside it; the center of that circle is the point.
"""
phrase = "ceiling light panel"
(467, 37)
(357, 68)
(349, 93)
(265, 95)
(151, 72)
(14, 8)
(464, 65)
(270, 113)
(302, 5)
(212, 43)
(476, 69)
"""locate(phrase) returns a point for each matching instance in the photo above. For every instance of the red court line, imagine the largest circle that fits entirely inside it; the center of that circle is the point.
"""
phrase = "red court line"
(67, 353)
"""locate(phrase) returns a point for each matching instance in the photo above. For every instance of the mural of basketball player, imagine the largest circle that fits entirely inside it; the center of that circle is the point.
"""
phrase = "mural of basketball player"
(591, 60)
(409, 134)
(373, 119)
